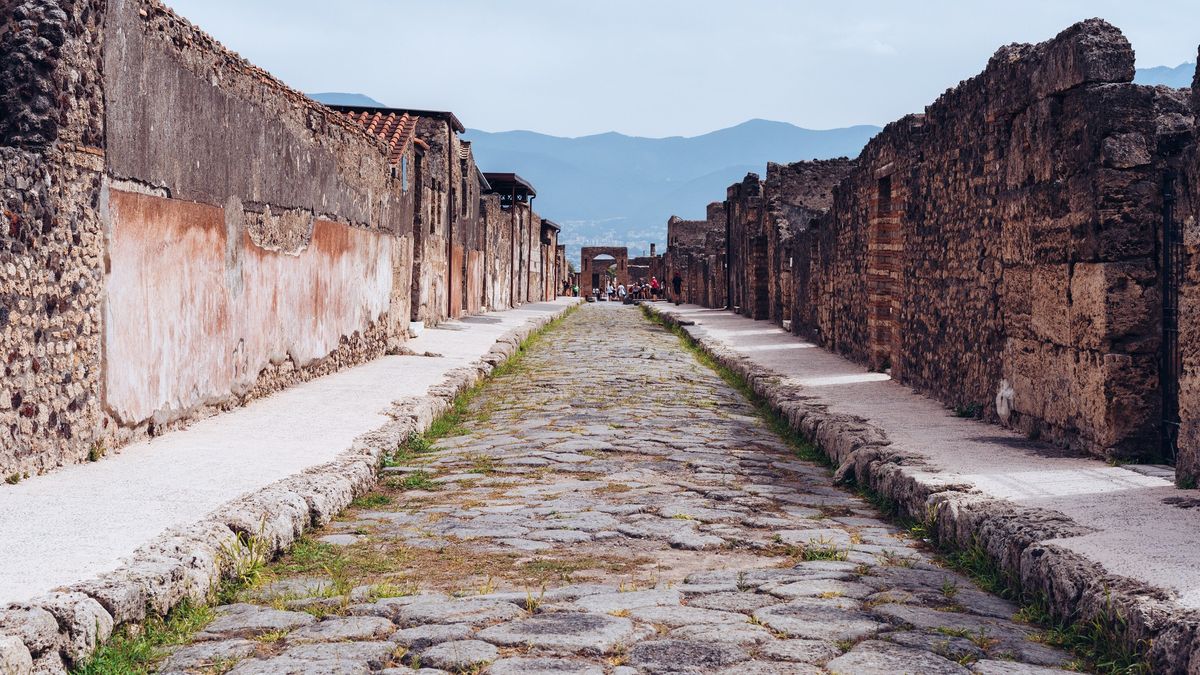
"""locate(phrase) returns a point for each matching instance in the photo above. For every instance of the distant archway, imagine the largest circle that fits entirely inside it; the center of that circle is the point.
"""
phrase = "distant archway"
(599, 264)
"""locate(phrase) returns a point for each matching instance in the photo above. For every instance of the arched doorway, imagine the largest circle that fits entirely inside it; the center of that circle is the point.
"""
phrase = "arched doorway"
(601, 264)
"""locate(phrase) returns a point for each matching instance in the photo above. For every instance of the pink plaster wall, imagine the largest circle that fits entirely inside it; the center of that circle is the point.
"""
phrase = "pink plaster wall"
(194, 310)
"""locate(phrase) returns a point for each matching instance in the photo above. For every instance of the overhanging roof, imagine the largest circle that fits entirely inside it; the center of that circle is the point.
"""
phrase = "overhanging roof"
(507, 183)
(434, 114)
(551, 224)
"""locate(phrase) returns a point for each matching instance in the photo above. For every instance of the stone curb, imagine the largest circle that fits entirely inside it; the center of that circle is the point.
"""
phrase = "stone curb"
(61, 629)
(1010, 534)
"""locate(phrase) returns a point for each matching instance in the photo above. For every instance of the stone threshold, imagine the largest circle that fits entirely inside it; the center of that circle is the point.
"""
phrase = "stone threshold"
(1065, 560)
(63, 628)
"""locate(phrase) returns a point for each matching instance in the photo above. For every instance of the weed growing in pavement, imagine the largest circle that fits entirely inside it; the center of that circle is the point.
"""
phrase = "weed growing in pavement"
(97, 451)
(137, 650)
(417, 480)
(372, 500)
(243, 558)
(801, 446)
(824, 549)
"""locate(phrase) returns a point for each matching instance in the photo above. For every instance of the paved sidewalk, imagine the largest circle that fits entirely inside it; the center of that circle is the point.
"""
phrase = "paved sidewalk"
(1135, 531)
(82, 521)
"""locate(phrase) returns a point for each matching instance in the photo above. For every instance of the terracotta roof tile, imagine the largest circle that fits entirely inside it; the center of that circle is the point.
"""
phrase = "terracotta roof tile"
(397, 130)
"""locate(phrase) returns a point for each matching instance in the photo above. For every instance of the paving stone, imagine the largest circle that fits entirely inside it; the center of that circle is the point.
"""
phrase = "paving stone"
(459, 655)
(286, 665)
(683, 656)
(206, 655)
(343, 629)
(470, 611)
(771, 668)
(951, 647)
(614, 602)
(817, 588)
(573, 632)
(247, 621)
(806, 651)
(820, 619)
(731, 633)
(734, 602)
(420, 637)
(300, 587)
(993, 667)
(543, 666)
(340, 539)
(676, 616)
(376, 654)
(875, 657)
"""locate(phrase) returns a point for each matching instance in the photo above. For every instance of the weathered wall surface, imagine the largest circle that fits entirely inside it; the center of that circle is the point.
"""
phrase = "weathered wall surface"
(51, 237)
(747, 248)
(696, 251)
(1184, 217)
(1005, 243)
(999, 252)
(199, 309)
(795, 195)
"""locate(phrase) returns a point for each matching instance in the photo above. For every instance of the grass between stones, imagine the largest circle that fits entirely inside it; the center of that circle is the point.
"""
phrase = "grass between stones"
(801, 446)
(1098, 643)
(137, 649)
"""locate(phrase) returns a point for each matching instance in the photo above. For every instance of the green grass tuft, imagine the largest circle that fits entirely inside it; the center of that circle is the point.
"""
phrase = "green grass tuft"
(131, 652)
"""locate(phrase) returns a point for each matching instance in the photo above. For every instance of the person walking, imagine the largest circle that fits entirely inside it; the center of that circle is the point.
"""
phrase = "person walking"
(621, 292)
(655, 288)
(677, 285)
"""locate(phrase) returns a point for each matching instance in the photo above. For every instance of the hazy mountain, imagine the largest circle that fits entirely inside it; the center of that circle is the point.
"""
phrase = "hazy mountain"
(1179, 77)
(616, 189)
(339, 98)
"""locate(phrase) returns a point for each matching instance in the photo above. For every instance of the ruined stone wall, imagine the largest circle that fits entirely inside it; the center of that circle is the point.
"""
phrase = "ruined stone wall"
(155, 187)
(696, 251)
(748, 248)
(498, 262)
(794, 196)
(999, 252)
(432, 225)
(1184, 216)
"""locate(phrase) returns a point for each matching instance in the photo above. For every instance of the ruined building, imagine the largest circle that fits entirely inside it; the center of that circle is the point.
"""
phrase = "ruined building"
(1021, 251)
(182, 232)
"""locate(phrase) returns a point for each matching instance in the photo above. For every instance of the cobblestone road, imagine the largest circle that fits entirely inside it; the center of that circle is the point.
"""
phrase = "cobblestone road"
(609, 505)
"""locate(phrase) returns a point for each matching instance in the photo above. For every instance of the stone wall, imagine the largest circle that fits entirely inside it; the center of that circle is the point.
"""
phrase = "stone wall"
(747, 248)
(1010, 246)
(1184, 215)
(182, 233)
(999, 252)
(795, 196)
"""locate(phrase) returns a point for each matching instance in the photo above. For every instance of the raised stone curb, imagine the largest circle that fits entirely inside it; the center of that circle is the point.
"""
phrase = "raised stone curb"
(1012, 535)
(61, 629)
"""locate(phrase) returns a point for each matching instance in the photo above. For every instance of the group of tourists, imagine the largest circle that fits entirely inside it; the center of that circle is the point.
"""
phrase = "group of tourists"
(637, 290)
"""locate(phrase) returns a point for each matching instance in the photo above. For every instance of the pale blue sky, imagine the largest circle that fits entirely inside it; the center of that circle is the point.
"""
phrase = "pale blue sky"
(661, 67)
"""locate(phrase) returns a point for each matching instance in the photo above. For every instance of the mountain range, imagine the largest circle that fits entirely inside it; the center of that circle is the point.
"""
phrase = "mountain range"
(613, 189)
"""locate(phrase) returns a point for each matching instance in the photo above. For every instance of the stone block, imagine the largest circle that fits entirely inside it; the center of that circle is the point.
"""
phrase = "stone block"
(1049, 290)
(1114, 306)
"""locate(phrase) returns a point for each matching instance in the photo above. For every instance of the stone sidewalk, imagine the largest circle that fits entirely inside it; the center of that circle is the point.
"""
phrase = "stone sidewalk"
(610, 505)
(1074, 528)
(279, 463)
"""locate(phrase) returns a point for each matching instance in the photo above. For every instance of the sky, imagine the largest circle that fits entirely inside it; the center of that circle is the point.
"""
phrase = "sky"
(661, 67)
